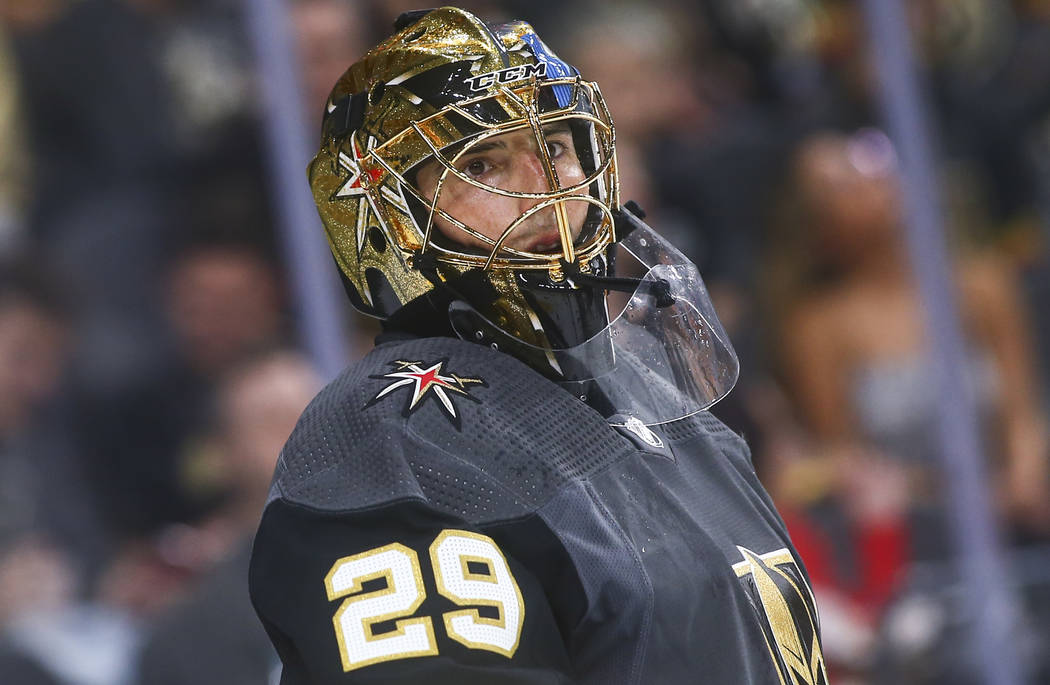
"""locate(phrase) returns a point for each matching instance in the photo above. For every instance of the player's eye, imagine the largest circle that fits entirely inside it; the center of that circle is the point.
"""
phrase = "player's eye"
(476, 167)
(555, 149)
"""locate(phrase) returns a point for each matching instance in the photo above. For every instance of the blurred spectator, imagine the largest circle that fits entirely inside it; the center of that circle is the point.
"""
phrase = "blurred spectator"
(258, 404)
(203, 55)
(117, 139)
(149, 580)
(104, 169)
(853, 338)
(47, 526)
(851, 351)
(33, 466)
(330, 35)
(994, 103)
(214, 636)
(223, 301)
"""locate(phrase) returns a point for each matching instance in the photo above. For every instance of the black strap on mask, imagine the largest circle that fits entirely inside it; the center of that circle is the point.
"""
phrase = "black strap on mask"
(659, 289)
(347, 117)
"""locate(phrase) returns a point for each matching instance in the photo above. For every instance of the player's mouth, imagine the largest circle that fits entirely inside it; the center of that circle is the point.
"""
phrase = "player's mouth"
(546, 242)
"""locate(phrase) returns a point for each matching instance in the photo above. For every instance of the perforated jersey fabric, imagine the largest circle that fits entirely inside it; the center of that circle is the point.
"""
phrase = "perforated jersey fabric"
(633, 565)
(525, 439)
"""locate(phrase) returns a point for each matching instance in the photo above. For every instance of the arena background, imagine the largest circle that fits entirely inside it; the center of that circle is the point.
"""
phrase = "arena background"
(167, 307)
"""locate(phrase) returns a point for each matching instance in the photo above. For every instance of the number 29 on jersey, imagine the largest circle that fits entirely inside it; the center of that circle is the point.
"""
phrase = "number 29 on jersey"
(385, 585)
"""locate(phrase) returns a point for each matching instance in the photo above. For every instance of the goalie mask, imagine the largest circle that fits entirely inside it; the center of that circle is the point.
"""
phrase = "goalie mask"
(466, 169)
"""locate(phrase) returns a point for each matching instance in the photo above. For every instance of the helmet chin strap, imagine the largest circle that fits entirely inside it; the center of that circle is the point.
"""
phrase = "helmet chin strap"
(627, 220)
(659, 290)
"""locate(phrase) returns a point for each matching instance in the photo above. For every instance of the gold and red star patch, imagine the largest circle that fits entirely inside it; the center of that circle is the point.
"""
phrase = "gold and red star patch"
(426, 380)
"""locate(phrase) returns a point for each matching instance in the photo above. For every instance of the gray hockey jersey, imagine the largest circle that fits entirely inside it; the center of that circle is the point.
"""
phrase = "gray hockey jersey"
(444, 514)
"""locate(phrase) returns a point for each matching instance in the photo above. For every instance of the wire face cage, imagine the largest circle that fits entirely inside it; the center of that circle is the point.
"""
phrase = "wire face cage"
(454, 133)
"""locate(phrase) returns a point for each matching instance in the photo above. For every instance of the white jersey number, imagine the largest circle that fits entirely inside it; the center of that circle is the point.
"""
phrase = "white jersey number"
(399, 567)
(469, 569)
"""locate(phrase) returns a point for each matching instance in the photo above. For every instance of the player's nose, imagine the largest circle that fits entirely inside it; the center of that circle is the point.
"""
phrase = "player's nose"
(530, 176)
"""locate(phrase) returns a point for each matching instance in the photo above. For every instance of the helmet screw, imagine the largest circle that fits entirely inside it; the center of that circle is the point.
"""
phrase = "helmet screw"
(556, 274)
(479, 335)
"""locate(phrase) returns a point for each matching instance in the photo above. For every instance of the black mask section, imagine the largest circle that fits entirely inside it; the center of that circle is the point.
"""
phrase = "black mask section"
(566, 317)
(441, 85)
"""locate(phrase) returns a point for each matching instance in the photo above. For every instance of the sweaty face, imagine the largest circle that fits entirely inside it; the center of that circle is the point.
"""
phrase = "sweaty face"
(512, 162)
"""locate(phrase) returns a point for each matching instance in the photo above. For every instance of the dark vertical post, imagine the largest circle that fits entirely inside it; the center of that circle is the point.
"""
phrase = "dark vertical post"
(991, 605)
(319, 304)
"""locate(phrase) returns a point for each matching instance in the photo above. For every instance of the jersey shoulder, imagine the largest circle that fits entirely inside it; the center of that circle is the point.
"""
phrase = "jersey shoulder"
(470, 430)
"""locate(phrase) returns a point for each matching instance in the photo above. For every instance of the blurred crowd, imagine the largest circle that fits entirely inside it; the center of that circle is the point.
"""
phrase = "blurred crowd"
(151, 364)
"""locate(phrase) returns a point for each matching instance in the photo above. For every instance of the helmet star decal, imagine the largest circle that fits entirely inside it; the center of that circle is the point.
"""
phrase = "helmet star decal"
(361, 176)
(427, 382)
(360, 179)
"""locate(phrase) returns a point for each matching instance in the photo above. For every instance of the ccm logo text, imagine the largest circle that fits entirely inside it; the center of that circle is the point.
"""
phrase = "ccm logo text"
(505, 76)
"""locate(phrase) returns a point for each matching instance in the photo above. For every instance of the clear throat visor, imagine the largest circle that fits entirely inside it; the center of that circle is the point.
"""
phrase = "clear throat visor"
(663, 357)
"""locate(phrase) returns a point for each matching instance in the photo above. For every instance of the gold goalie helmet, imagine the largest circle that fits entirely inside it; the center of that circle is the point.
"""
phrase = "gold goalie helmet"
(402, 132)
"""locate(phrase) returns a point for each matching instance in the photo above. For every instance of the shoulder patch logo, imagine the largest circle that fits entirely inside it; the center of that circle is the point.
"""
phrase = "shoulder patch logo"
(427, 380)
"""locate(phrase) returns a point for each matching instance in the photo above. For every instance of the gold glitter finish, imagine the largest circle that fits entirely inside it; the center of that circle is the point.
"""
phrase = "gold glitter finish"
(359, 180)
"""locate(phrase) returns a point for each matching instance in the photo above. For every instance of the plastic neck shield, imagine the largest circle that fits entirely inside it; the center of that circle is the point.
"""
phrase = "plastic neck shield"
(651, 364)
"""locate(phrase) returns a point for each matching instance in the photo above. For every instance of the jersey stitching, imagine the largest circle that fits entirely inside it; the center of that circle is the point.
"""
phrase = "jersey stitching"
(295, 504)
